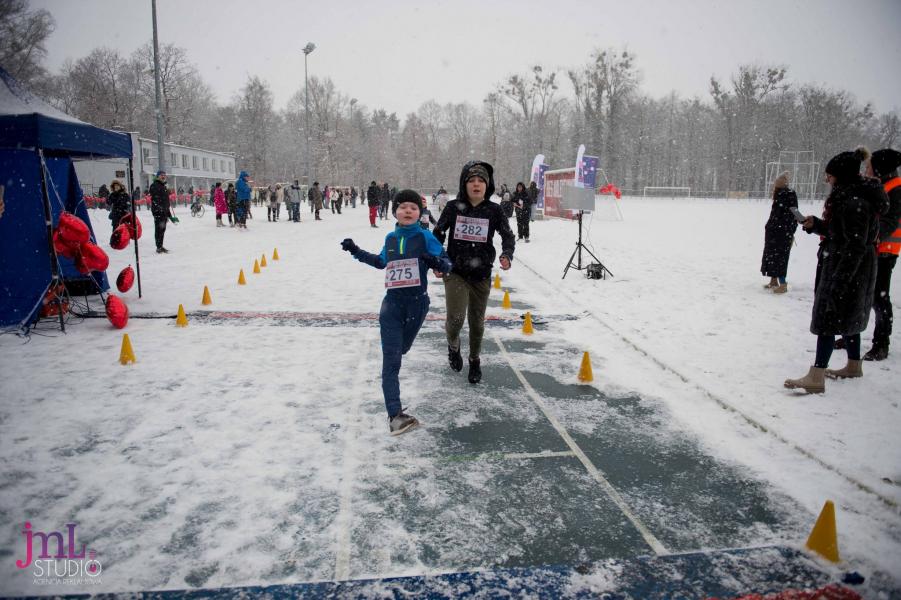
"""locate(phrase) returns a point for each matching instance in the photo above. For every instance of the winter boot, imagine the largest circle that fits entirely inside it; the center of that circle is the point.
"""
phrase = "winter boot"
(854, 368)
(773, 283)
(455, 359)
(877, 352)
(401, 423)
(781, 288)
(475, 370)
(812, 383)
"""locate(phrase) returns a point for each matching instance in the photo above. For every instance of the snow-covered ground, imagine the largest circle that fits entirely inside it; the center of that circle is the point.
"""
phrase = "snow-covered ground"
(184, 469)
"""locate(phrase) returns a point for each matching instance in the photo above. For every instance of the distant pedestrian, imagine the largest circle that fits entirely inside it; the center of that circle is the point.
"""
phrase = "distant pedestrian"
(372, 199)
(315, 196)
(220, 203)
(118, 202)
(243, 203)
(779, 234)
(523, 206)
(159, 208)
(231, 200)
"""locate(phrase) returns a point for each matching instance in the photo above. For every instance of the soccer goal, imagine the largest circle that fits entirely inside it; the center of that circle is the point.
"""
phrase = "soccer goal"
(803, 171)
(666, 192)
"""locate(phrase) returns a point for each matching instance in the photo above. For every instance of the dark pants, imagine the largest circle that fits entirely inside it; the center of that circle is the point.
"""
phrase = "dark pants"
(882, 303)
(825, 344)
(522, 223)
(400, 319)
(159, 229)
(464, 300)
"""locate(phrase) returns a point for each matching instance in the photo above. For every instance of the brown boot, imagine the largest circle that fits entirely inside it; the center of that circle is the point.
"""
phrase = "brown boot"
(781, 288)
(812, 383)
(854, 368)
(773, 283)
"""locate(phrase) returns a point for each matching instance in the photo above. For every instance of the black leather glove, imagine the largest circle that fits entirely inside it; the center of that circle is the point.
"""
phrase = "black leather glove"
(348, 246)
(432, 262)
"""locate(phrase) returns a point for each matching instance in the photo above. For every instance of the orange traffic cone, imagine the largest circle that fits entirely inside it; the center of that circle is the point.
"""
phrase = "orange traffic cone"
(585, 374)
(506, 303)
(206, 296)
(256, 267)
(126, 355)
(263, 261)
(275, 254)
(241, 280)
(823, 539)
(497, 281)
(527, 325)
(182, 319)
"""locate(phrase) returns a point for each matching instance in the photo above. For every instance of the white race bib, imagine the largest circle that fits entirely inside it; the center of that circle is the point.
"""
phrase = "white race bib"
(471, 230)
(402, 273)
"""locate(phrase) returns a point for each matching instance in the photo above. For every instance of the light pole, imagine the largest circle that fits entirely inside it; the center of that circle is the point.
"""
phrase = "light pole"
(161, 155)
(306, 102)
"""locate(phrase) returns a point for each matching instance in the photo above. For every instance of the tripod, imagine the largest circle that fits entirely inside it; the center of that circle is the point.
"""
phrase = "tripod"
(578, 251)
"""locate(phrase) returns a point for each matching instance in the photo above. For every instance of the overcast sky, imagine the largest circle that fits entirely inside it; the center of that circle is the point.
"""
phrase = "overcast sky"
(397, 54)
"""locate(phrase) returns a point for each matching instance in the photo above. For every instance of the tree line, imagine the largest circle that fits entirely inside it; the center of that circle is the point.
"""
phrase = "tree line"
(716, 144)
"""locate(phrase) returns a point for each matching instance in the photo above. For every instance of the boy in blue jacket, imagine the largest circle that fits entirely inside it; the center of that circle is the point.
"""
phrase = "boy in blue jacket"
(408, 253)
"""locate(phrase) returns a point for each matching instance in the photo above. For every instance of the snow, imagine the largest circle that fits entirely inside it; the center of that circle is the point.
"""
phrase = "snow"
(255, 452)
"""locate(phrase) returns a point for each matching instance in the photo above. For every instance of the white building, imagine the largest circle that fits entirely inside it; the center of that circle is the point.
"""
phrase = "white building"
(187, 167)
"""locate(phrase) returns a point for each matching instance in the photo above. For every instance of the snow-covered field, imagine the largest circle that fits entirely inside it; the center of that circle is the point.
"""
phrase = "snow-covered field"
(244, 451)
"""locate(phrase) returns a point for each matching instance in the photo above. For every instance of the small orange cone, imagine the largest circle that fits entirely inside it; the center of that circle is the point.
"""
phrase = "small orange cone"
(182, 319)
(823, 539)
(506, 303)
(126, 355)
(275, 254)
(256, 266)
(206, 296)
(585, 374)
(241, 280)
(527, 325)
(263, 261)
(497, 281)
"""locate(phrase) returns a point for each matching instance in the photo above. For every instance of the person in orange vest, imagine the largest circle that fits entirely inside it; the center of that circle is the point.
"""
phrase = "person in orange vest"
(884, 165)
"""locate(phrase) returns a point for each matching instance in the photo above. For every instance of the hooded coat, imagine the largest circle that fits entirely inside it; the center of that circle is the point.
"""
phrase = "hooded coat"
(119, 204)
(242, 187)
(159, 199)
(850, 226)
(473, 260)
(779, 232)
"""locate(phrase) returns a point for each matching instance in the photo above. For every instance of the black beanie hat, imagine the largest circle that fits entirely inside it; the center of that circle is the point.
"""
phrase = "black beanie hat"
(409, 196)
(885, 161)
(845, 165)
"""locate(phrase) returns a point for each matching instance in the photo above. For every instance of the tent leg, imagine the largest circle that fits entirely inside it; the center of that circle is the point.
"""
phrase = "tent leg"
(134, 219)
(54, 261)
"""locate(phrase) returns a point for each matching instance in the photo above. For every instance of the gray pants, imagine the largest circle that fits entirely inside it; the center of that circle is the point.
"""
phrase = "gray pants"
(464, 298)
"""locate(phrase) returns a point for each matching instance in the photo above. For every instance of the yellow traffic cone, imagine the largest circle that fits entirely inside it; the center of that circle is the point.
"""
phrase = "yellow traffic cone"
(182, 319)
(506, 303)
(823, 539)
(527, 325)
(241, 280)
(585, 374)
(126, 355)
(206, 296)
(275, 254)
(256, 266)
(263, 261)
(497, 281)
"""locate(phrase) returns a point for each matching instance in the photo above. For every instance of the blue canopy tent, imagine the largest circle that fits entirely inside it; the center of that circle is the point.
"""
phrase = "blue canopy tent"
(37, 183)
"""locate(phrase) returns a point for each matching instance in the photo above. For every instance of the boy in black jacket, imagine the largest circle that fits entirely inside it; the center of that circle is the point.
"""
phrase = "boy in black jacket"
(470, 222)
(408, 252)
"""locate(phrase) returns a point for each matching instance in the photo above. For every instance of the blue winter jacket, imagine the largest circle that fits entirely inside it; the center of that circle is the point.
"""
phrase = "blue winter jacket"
(408, 241)
(242, 187)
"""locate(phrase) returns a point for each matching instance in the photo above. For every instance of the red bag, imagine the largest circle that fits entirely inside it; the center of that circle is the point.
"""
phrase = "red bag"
(120, 238)
(126, 220)
(126, 279)
(82, 267)
(72, 229)
(93, 257)
(64, 248)
(116, 311)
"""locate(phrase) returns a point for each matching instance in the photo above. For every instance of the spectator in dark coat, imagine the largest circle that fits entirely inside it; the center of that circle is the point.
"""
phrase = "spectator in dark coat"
(119, 203)
(384, 199)
(159, 208)
(779, 233)
(103, 194)
(533, 199)
(372, 200)
(523, 206)
(847, 278)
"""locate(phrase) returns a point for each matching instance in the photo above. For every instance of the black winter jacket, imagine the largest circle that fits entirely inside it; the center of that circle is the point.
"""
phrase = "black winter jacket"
(159, 200)
(850, 225)
(119, 204)
(778, 234)
(473, 260)
(372, 195)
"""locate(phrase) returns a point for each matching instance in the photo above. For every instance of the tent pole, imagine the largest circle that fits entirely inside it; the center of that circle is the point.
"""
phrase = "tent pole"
(134, 218)
(54, 261)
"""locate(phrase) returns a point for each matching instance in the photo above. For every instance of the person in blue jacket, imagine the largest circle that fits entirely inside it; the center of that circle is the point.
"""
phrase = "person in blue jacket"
(243, 189)
(408, 253)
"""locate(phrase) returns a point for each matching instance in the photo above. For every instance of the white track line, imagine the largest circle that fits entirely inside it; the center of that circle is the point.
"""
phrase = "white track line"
(596, 474)
(423, 461)
(343, 524)
(891, 503)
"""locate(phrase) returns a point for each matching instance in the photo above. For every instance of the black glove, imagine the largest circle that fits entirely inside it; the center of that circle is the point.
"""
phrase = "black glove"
(348, 246)
(430, 261)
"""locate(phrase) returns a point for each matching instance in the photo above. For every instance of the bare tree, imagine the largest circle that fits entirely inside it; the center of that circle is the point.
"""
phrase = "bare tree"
(22, 37)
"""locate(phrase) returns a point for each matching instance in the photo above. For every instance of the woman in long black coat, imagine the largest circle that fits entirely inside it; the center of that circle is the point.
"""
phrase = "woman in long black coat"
(847, 266)
(119, 203)
(523, 206)
(779, 234)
